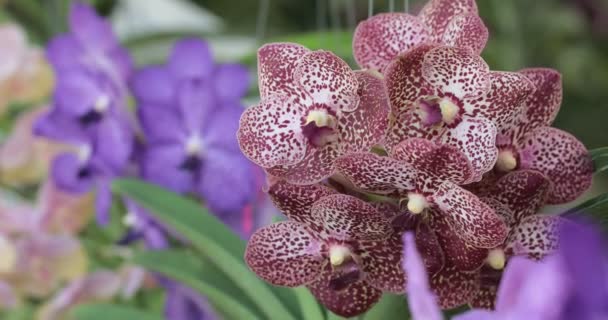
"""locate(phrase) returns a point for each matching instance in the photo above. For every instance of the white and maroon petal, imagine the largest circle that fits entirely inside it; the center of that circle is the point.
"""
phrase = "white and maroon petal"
(454, 287)
(457, 71)
(437, 14)
(524, 192)
(504, 102)
(535, 237)
(276, 67)
(485, 297)
(381, 38)
(473, 221)
(457, 253)
(466, 31)
(285, 254)
(543, 105)
(346, 217)
(328, 80)
(562, 158)
(317, 165)
(404, 79)
(430, 249)
(296, 201)
(408, 124)
(476, 139)
(352, 300)
(434, 162)
(381, 263)
(366, 126)
(501, 210)
(270, 133)
(377, 174)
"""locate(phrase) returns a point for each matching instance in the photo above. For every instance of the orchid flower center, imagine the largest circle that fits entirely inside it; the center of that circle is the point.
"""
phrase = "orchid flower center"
(130, 219)
(193, 148)
(83, 153)
(8, 254)
(416, 203)
(102, 103)
(338, 254)
(434, 110)
(506, 161)
(320, 128)
(496, 259)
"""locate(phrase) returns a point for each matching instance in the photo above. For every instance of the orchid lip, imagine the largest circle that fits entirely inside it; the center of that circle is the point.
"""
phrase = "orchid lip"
(435, 110)
(320, 128)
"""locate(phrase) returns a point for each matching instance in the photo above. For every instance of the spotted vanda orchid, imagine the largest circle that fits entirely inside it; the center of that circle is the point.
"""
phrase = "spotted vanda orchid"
(427, 176)
(342, 248)
(449, 94)
(313, 109)
(381, 38)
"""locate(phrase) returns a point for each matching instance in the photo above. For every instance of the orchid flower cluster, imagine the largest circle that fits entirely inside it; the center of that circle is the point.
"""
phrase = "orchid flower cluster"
(424, 138)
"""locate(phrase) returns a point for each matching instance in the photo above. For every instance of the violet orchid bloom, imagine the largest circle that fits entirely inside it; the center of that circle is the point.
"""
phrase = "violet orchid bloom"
(313, 109)
(429, 176)
(532, 144)
(184, 304)
(448, 94)
(381, 38)
(343, 249)
(189, 111)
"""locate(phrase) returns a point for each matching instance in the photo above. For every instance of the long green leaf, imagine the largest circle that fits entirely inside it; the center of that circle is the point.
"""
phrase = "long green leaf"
(309, 306)
(104, 311)
(599, 152)
(390, 306)
(594, 208)
(208, 235)
(202, 277)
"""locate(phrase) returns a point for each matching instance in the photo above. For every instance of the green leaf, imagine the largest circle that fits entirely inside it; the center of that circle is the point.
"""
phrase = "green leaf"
(600, 159)
(203, 277)
(309, 306)
(210, 236)
(390, 306)
(599, 152)
(594, 208)
(104, 311)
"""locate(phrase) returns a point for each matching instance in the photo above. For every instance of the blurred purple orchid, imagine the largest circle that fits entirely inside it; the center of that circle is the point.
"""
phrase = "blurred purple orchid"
(184, 304)
(189, 111)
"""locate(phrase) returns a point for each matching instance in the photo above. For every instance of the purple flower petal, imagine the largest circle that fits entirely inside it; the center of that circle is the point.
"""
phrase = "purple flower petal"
(231, 81)
(103, 202)
(162, 165)
(64, 51)
(196, 102)
(153, 85)
(70, 175)
(191, 58)
(161, 124)
(90, 29)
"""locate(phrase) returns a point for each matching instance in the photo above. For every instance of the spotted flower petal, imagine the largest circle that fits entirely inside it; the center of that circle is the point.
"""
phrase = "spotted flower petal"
(543, 105)
(382, 264)
(379, 39)
(454, 287)
(562, 158)
(474, 221)
(524, 192)
(466, 31)
(347, 217)
(437, 14)
(406, 125)
(430, 249)
(374, 173)
(484, 298)
(313, 168)
(354, 299)
(276, 67)
(536, 236)
(296, 201)
(457, 71)
(270, 133)
(476, 138)
(285, 254)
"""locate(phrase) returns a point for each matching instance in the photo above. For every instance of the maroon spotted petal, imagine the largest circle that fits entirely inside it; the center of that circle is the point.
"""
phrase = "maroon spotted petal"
(429, 248)
(354, 299)
(476, 139)
(285, 254)
(365, 127)
(434, 162)
(377, 174)
(535, 236)
(346, 217)
(276, 66)
(270, 133)
(524, 192)
(466, 31)
(543, 105)
(382, 264)
(454, 287)
(501, 210)
(562, 158)
(296, 201)
(485, 297)
(407, 125)
(437, 14)
(317, 165)
(457, 71)
(379, 39)
(457, 253)
(328, 80)
(474, 221)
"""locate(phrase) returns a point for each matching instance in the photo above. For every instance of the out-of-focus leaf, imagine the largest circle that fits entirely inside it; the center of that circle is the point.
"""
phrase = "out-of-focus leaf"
(594, 208)
(600, 158)
(209, 235)
(203, 277)
(390, 306)
(309, 307)
(104, 311)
